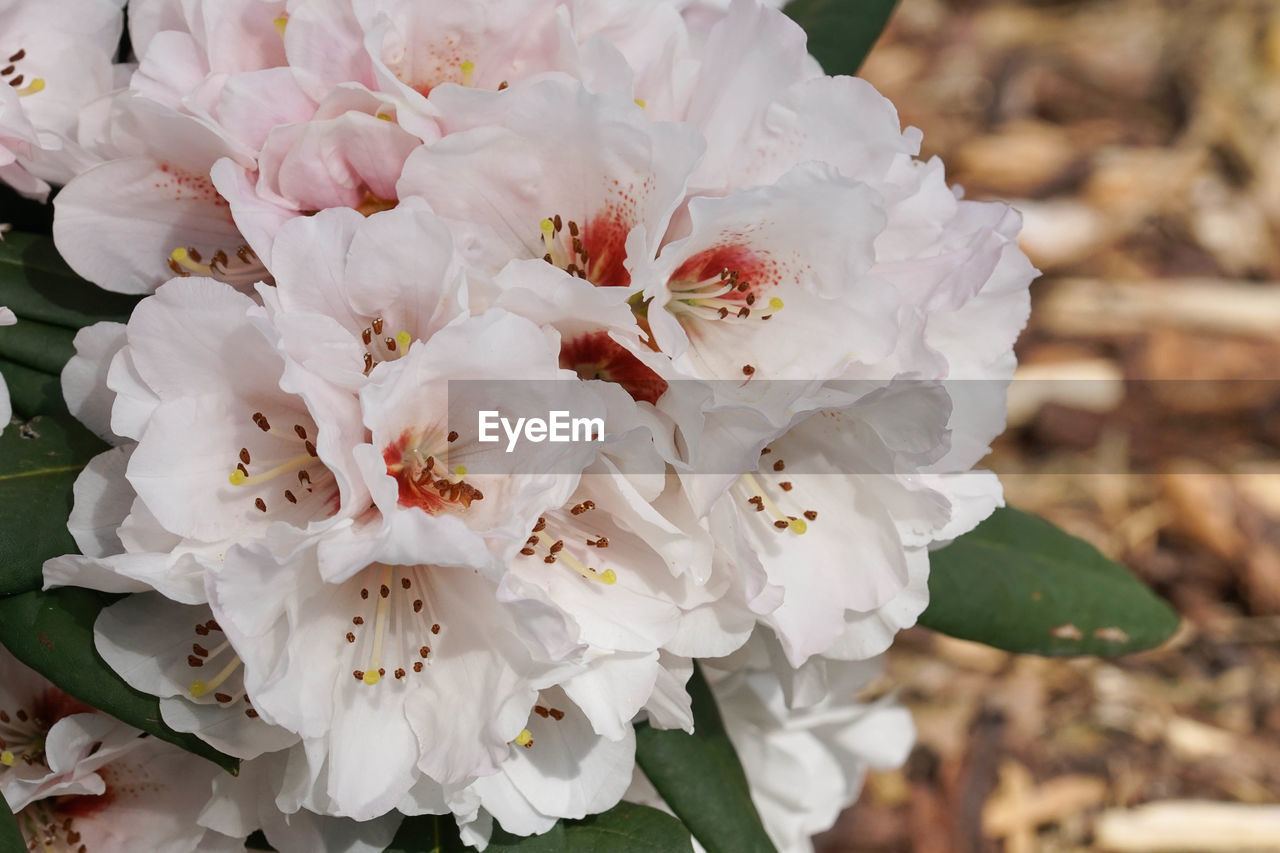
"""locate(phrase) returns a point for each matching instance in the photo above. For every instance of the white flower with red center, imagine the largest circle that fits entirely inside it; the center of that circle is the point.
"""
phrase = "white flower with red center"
(54, 61)
(552, 171)
(274, 446)
(78, 780)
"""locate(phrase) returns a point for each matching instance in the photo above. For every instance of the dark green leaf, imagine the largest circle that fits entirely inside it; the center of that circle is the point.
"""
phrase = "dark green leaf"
(37, 345)
(39, 462)
(38, 285)
(52, 632)
(32, 392)
(625, 828)
(428, 833)
(700, 777)
(1018, 583)
(841, 32)
(10, 835)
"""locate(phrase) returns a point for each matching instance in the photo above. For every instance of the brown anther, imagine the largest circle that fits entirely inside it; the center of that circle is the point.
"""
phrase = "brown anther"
(417, 605)
(540, 711)
(573, 228)
(253, 715)
(260, 504)
(368, 363)
(200, 650)
(744, 311)
(502, 85)
(19, 55)
(781, 525)
(311, 447)
(751, 297)
(435, 628)
(358, 674)
(202, 630)
(377, 326)
(390, 343)
(602, 542)
(351, 638)
(367, 336)
(779, 465)
(556, 222)
(529, 745)
(548, 559)
(192, 660)
(417, 666)
(453, 435)
(261, 420)
(528, 552)
(245, 254)
(244, 455)
(810, 514)
(540, 526)
(224, 698)
(557, 714)
(424, 651)
(557, 546)
(785, 485)
(724, 312)
(212, 625)
(384, 590)
(381, 671)
(304, 478)
(405, 583)
(364, 594)
(243, 470)
(290, 496)
(399, 672)
(748, 369)
(357, 620)
(301, 431)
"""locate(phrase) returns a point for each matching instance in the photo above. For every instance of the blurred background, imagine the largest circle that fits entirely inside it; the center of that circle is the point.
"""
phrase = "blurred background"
(1141, 140)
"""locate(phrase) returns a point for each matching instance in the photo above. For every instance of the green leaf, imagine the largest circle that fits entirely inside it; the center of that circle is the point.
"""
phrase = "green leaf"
(36, 284)
(841, 32)
(625, 828)
(39, 346)
(52, 632)
(700, 778)
(1018, 583)
(31, 391)
(11, 840)
(39, 463)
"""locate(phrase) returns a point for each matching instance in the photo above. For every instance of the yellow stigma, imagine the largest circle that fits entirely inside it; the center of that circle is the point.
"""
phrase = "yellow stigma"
(403, 339)
(640, 103)
(280, 23)
(467, 68)
(238, 477)
(775, 304)
(797, 526)
(609, 576)
(371, 676)
(183, 259)
(198, 689)
(548, 228)
(524, 738)
(461, 470)
(36, 85)
(384, 116)
(6, 758)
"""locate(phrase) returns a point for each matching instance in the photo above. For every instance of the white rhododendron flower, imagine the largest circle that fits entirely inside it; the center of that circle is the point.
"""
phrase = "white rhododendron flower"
(55, 60)
(350, 221)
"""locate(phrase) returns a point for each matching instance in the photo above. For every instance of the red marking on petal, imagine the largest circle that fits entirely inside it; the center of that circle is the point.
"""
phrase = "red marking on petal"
(605, 239)
(597, 356)
(756, 269)
(407, 471)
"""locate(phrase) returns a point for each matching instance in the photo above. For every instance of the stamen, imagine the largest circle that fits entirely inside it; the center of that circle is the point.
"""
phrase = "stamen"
(239, 478)
(525, 739)
(189, 261)
(200, 688)
(373, 674)
(557, 552)
(782, 521)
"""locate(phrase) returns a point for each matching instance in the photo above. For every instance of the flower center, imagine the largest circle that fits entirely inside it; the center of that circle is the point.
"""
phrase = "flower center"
(379, 347)
(239, 269)
(314, 488)
(551, 548)
(16, 79)
(758, 497)
(595, 251)
(202, 655)
(595, 355)
(421, 468)
(726, 283)
(404, 622)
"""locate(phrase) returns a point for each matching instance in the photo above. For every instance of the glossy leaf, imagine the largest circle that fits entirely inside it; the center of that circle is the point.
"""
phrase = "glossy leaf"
(11, 840)
(32, 392)
(39, 346)
(428, 833)
(38, 285)
(39, 463)
(841, 32)
(700, 778)
(52, 632)
(1018, 583)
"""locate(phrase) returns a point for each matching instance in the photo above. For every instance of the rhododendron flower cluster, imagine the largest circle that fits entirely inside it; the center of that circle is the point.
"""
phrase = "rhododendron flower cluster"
(341, 212)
